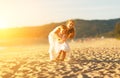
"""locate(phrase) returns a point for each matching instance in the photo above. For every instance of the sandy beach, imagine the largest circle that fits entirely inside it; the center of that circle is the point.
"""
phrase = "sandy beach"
(95, 58)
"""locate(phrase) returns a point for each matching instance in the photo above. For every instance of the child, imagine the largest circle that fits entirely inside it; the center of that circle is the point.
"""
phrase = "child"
(61, 46)
(57, 37)
(70, 34)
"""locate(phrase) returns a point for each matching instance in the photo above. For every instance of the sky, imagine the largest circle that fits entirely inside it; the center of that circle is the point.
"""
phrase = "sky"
(17, 13)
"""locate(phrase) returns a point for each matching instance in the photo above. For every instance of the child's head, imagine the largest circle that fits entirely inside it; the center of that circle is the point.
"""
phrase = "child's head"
(63, 29)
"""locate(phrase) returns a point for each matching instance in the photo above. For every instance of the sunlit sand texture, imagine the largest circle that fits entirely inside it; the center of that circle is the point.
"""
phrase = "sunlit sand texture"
(94, 58)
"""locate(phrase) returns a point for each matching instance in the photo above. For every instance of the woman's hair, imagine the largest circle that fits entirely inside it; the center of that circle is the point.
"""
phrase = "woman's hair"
(71, 31)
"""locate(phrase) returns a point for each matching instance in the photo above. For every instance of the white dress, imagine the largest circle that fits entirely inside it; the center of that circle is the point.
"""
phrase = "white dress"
(61, 46)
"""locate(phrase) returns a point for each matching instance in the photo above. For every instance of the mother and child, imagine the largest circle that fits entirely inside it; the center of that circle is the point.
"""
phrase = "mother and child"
(58, 41)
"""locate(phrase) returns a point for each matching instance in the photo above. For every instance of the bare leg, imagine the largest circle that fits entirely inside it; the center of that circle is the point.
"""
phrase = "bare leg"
(63, 55)
(59, 55)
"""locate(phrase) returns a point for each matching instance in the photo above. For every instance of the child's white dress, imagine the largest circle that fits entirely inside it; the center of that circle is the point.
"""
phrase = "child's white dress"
(61, 46)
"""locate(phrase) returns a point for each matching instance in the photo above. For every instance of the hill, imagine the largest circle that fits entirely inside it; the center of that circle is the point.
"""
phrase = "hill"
(84, 28)
(95, 28)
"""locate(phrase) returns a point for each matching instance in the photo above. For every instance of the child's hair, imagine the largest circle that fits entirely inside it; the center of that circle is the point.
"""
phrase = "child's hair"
(63, 26)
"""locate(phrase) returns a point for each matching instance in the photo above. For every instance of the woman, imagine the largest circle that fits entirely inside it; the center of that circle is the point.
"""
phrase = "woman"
(58, 40)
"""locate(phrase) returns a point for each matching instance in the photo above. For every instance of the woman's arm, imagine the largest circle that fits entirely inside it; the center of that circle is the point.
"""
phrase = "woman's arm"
(56, 32)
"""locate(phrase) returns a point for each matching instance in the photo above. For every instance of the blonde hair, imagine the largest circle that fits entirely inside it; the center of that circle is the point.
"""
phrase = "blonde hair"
(71, 31)
(70, 21)
(63, 26)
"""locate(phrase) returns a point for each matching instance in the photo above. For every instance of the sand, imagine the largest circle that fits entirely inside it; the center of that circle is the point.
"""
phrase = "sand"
(96, 58)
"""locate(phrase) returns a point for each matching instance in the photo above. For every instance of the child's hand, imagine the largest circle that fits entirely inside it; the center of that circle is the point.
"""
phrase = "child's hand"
(61, 40)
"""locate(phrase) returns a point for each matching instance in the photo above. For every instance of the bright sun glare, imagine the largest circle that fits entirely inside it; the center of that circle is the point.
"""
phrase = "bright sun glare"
(3, 24)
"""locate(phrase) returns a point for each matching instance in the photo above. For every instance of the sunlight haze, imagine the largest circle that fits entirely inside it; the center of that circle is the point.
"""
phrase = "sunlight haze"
(17, 13)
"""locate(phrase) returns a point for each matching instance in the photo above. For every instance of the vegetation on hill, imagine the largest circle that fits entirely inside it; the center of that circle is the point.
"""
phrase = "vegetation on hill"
(84, 28)
(95, 28)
